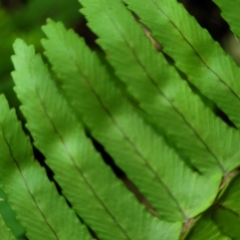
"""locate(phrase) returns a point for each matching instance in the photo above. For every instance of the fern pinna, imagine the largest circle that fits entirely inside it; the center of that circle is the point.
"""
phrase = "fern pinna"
(180, 160)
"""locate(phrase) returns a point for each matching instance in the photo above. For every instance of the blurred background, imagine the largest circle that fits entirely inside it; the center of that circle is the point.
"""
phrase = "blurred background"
(24, 18)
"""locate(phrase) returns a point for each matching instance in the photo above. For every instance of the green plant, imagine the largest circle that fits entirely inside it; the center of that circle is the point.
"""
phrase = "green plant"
(24, 20)
(180, 158)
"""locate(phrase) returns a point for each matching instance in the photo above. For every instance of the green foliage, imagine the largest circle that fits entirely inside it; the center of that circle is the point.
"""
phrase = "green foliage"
(230, 12)
(216, 74)
(29, 192)
(161, 92)
(117, 126)
(85, 180)
(5, 231)
(206, 228)
(180, 160)
(25, 20)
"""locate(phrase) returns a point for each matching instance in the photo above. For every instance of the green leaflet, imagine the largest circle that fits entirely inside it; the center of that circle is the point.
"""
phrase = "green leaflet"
(94, 192)
(6, 233)
(9, 216)
(230, 12)
(228, 222)
(168, 100)
(194, 51)
(230, 198)
(205, 228)
(159, 173)
(227, 215)
(35, 200)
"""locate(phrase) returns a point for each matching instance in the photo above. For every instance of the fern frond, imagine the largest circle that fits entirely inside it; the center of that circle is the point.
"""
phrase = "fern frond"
(167, 99)
(194, 51)
(230, 12)
(230, 197)
(5, 232)
(35, 200)
(95, 193)
(228, 222)
(205, 228)
(155, 168)
(224, 218)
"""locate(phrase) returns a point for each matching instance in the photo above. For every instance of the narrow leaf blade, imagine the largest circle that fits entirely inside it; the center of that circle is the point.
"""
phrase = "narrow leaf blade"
(39, 208)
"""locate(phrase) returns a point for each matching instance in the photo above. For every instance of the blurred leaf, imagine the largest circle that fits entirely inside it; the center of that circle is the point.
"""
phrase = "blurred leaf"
(228, 222)
(9, 216)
